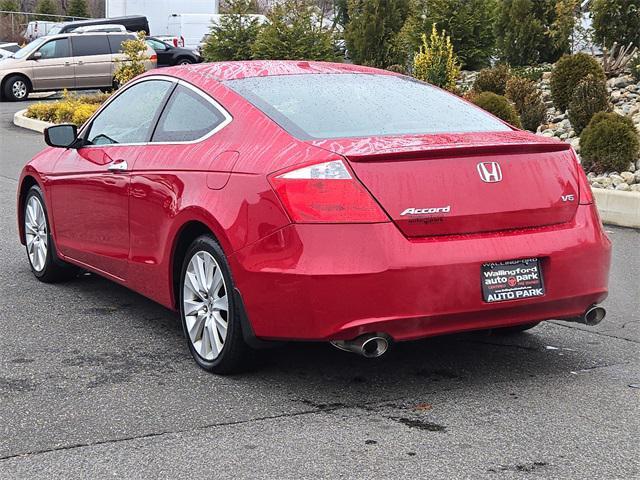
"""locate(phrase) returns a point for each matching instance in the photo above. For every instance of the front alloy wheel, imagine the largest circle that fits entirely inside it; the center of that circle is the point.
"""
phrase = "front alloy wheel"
(16, 88)
(36, 235)
(209, 316)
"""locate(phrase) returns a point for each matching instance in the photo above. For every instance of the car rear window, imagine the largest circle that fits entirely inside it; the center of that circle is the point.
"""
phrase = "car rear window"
(84, 45)
(319, 106)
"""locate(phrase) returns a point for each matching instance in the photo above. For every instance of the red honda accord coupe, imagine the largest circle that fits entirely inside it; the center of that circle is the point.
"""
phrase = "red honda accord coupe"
(270, 201)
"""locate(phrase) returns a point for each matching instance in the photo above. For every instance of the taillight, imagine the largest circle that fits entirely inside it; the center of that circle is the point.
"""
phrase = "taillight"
(153, 58)
(584, 189)
(325, 193)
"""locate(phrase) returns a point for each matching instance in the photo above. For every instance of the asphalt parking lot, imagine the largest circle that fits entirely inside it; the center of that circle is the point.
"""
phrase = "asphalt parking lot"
(96, 381)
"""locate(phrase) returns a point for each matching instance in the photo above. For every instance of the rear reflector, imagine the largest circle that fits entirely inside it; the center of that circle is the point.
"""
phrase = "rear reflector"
(325, 193)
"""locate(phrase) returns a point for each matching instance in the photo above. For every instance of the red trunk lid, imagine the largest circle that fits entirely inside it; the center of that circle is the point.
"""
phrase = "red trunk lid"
(461, 184)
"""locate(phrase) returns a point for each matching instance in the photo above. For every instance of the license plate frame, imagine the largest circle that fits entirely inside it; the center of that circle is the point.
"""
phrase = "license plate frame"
(511, 280)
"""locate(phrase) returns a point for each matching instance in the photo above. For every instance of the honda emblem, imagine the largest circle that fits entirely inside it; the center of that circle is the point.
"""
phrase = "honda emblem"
(490, 172)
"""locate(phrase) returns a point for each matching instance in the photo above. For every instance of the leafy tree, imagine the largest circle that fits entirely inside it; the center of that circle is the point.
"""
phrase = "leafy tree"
(469, 24)
(295, 32)
(44, 8)
(234, 36)
(373, 32)
(616, 21)
(135, 54)
(533, 31)
(78, 8)
(435, 62)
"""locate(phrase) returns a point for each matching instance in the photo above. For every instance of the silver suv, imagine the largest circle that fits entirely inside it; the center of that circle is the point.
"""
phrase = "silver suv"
(71, 60)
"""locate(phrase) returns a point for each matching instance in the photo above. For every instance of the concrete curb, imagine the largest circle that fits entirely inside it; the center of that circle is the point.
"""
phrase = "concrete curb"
(20, 120)
(618, 208)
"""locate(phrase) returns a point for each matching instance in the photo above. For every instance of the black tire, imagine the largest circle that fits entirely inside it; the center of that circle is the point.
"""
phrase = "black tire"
(184, 61)
(14, 84)
(234, 356)
(54, 269)
(515, 330)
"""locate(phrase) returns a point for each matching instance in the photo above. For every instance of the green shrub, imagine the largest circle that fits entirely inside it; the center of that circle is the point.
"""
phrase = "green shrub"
(589, 97)
(609, 143)
(498, 106)
(78, 8)
(530, 73)
(71, 109)
(373, 35)
(435, 62)
(397, 68)
(83, 112)
(533, 31)
(234, 36)
(132, 65)
(294, 32)
(567, 73)
(634, 66)
(527, 100)
(469, 23)
(533, 113)
(493, 79)
(616, 21)
(42, 111)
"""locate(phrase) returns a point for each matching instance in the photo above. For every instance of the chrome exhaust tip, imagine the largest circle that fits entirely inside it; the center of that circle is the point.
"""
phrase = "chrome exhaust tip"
(594, 315)
(370, 345)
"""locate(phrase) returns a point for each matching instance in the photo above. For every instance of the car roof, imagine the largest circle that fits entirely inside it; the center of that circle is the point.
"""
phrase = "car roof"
(84, 34)
(224, 71)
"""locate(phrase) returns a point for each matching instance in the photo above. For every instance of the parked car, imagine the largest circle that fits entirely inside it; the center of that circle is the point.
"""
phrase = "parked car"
(73, 61)
(8, 49)
(169, 55)
(313, 201)
(133, 23)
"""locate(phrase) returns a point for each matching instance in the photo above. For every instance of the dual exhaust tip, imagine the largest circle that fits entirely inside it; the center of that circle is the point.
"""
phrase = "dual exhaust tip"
(372, 345)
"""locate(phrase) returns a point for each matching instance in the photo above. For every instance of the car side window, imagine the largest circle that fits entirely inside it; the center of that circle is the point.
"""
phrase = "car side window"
(85, 45)
(156, 45)
(129, 118)
(187, 117)
(55, 49)
(115, 42)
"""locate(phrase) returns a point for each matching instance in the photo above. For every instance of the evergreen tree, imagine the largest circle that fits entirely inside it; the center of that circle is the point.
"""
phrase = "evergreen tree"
(533, 31)
(234, 36)
(78, 8)
(373, 32)
(295, 32)
(616, 21)
(10, 5)
(45, 8)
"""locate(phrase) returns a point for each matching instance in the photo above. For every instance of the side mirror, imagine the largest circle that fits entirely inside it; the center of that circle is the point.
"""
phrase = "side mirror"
(61, 136)
(36, 56)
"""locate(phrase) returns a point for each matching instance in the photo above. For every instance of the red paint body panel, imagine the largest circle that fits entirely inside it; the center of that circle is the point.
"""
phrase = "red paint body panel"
(332, 281)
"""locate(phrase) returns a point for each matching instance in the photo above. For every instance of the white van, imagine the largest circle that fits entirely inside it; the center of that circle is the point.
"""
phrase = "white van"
(190, 28)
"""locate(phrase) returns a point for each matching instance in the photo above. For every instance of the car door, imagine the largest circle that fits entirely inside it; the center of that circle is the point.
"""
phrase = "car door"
(90, 189)
(53, 66)
(93, 60)
(185, 161)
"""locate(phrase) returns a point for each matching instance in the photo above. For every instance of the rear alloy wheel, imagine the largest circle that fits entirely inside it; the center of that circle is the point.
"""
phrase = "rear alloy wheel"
(41, 252)
(212, 328)
(184, 61)
(16, 88)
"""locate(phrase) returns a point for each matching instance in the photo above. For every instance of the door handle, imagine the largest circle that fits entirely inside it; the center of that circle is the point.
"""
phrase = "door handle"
(80, 62)
(66, 64)
(118, 166)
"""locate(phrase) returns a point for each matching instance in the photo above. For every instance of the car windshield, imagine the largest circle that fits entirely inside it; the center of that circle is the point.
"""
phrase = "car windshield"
(55, 30)
(29, 49)
(319, 106)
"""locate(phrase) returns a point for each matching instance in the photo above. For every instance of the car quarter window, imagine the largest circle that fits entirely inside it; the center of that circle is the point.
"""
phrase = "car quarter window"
(155, 44)
(55, 49)
(115, 42)
(129, 118)
(187, 117)
(85, 45)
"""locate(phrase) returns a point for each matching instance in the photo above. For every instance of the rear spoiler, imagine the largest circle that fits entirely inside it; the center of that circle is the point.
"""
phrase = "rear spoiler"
(421, 153)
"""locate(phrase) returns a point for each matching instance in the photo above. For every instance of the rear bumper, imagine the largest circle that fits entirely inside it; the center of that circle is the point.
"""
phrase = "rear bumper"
(321, 282)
